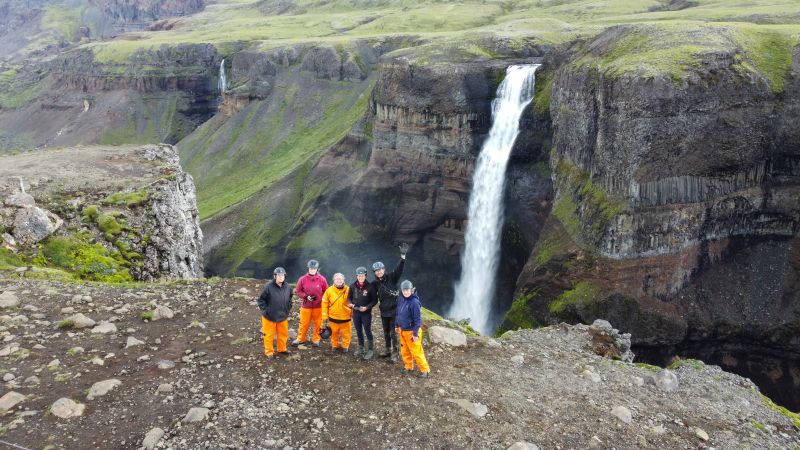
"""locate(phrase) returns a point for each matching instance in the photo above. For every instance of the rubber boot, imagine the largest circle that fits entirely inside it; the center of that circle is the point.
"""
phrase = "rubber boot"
(370, 351)
(361, 349)
(395, 348)
(387, 350)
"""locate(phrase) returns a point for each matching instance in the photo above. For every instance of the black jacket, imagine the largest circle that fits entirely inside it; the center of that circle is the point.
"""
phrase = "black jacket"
(275, 301)
(385, 288)
(363, 296)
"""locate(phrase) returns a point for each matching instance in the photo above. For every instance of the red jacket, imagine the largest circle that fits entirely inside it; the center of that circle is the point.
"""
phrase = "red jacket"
(311, 285)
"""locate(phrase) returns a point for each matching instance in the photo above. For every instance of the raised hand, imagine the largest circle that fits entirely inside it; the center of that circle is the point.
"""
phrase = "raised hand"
(403, 249)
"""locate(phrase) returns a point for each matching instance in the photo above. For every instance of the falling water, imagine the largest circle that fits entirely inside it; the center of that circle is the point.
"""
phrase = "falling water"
(474, 292)
(222, 84)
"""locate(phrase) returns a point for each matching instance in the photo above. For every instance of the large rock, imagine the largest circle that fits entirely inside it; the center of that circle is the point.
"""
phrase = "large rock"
(10, 400)
(162, 312)
(20, 200)
(666, 380)
(447, 336)
(152, 438)
(196, 415)
(66, 408)
(102, 388)
(478, 410)
(80, 321)
(31, 225)
(104, 328)
(8, 300)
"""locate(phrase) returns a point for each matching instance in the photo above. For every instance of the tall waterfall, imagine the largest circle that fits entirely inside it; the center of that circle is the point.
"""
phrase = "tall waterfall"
(222, 84)
(474, 292)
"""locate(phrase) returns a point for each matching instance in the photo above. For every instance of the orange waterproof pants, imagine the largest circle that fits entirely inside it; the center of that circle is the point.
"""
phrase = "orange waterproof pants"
(343, 330)
(412, 351)
(272, 330)
(308, 315)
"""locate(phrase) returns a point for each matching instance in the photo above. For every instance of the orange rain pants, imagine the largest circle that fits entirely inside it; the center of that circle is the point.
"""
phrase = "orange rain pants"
(272, 330)
(412, 351)
(308, 315)
(343, 330)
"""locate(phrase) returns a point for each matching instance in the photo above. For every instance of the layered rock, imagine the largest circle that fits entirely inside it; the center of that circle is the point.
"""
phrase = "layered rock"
(677, 203)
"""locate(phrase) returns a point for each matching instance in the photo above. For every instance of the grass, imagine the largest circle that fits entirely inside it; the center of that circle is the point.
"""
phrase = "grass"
(650, 367)
(583, 293)
(83, 260)
(147, 315)
(10, 260)
(65, 324)
(688, 362)
(793, 416)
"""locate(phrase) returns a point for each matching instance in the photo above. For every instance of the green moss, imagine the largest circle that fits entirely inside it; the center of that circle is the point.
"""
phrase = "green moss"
(520, 315)
(148, 315)
(83, 260)
(90, 213)
(65, 324)
(583, 293)
(427, 314)
(650, 367)
(759, 426)
(680, 362)
(793, 416)
(541, 98)
(108, 224)
(770, 53)
(548, 248)
(129, 199)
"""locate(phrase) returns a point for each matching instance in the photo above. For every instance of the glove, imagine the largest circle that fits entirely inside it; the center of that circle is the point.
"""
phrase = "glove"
(310, 298)
(403, 249)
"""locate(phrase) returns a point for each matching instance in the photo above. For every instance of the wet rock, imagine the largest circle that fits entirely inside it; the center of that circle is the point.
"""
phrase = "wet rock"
(66, 408)
(8, 300)
(152, 438)
(447, 336)
(10, 400)
(622, 413)
(102, 388)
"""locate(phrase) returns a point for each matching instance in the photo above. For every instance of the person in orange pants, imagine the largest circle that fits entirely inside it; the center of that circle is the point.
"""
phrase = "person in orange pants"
(408, 321)
(275, 302)
(310, 288)
(337, 308)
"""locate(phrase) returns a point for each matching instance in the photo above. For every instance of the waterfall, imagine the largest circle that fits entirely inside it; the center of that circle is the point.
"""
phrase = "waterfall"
(474, 292)
(222, 84)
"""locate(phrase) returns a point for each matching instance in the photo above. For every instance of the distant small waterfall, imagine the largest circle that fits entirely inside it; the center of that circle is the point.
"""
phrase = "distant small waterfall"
(474, 292)
(222, 84)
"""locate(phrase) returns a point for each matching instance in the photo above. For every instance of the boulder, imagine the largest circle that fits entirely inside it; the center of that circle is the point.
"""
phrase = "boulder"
(132, 342)
(10, 400)
(65, 408)
(162, 312)
(152, 438)
(622, 413)
(102, 388)
(666, 380)
(105, 328)
(80, 321)
(31, 225)
(20, 200)
(196, 415)
(447, 336)
(8, 300)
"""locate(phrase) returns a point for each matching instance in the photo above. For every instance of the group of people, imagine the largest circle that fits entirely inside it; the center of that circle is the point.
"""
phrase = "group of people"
(331, 309)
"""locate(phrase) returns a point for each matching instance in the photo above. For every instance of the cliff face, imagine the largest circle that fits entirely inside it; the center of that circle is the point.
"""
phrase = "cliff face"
(158, 95)
(677, 208)
(137, 14)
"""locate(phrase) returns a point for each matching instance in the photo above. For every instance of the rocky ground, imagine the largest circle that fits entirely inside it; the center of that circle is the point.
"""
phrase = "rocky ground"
(196, 378)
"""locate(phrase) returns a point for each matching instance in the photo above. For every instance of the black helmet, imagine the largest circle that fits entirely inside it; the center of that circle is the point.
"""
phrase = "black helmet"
(325, 332)
(406, 284)
(313, 264)
(361, 270)
(279, 271)
(378, 266)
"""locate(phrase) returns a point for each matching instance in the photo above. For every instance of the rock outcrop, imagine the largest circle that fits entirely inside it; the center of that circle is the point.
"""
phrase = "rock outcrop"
(136, 202)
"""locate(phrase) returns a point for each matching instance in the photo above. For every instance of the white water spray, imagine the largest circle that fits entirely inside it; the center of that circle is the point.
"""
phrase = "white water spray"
(474, 292)
(222, 84)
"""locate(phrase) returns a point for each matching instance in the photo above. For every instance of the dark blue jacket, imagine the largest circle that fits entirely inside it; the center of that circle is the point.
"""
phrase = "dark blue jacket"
(409, 313)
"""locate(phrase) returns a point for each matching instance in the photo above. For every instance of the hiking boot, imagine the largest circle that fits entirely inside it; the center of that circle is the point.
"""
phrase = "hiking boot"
(361, 349)
(286, 353)
(315, 344)
(423, 375)
(296, 342)
(370, 352)
(336, 349)
(405, 371)
(345, 350)
(395, 356)
(385, 353)
(269, 356)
